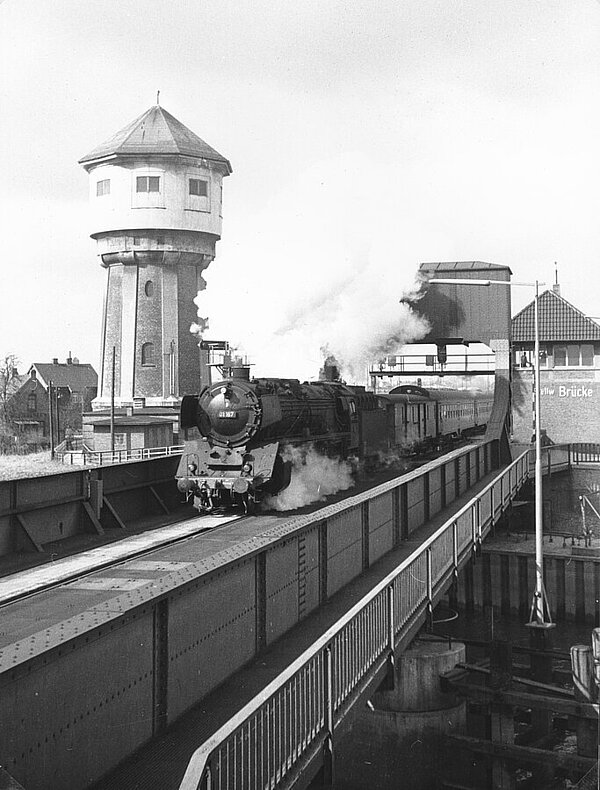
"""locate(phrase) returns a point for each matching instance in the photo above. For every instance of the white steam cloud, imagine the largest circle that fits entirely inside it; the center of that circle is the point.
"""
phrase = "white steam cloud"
(321, 266)
(314, 478)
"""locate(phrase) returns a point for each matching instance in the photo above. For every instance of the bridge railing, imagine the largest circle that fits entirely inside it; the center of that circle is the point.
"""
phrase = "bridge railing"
(286, 726)
(557, 457)
(585, 453)
(103, 457)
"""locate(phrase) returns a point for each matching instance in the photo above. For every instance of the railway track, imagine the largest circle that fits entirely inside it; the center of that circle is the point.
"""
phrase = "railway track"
(24, 584)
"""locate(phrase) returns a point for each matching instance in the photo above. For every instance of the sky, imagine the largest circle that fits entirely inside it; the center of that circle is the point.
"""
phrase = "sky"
(365, 138)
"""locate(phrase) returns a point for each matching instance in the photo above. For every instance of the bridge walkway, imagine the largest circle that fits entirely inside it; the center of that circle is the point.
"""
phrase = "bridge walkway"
(161, 765)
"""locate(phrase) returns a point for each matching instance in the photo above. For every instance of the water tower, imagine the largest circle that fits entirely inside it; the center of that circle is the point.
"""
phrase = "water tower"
(156, 196)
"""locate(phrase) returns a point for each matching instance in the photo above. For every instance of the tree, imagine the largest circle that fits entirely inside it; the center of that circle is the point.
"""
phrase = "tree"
(9, 381)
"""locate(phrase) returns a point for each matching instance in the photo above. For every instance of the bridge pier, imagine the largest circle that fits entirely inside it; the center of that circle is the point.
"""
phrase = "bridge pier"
(399, 735)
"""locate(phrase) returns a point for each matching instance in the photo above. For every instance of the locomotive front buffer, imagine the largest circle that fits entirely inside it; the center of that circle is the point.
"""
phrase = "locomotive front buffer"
(227, 476)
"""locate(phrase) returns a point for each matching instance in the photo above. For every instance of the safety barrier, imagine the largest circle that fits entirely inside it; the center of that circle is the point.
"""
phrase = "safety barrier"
(294, 718)
(104, 457)
(584, 453)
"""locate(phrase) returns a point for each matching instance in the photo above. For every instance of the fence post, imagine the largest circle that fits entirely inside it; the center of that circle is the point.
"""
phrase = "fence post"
(455, 546)
(328, 761)
(429, 587)
(391, 637)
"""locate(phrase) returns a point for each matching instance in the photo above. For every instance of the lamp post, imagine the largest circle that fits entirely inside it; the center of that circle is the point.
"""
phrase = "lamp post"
(540, 610)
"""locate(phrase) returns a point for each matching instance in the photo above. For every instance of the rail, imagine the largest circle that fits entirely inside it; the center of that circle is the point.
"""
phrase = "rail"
(294, 717)
(104, 457)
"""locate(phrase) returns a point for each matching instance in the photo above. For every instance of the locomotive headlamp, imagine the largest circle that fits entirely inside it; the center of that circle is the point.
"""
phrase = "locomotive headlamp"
(247, 467)
(192, 468)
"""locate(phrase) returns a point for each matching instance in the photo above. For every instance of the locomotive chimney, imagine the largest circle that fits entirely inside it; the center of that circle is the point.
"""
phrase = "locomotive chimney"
(330, 370)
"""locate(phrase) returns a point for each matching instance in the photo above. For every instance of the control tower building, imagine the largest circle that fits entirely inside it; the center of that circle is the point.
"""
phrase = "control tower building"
(156, 197)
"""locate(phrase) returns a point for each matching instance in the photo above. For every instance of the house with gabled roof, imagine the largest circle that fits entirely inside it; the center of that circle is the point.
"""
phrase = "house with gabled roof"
(74, 386)
(569, 371)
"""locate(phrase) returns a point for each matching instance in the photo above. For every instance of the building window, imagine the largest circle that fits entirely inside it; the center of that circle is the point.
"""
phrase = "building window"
(587, 355)
(32, 402)
(149, 288)
(160, 240)
(136, 241)
(103, 187)
(198, 196)
(120, 441)
(560, 356)
(574, 355)
(147, 184)
(198, 186)
(148, 354)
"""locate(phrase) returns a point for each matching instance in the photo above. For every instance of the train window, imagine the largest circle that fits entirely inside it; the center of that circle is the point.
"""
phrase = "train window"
(148, 354)
(103, 187)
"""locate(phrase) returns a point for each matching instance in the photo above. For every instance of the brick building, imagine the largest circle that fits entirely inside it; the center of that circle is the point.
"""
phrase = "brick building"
(569, 372)
(74, 387)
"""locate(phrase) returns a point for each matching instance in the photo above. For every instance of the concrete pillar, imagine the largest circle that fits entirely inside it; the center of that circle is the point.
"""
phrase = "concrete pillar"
(582, 666)
(397, 741)
(541, 637)
(502, 723)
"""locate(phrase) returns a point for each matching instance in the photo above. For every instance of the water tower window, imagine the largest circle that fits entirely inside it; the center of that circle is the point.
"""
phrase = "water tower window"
(149, 288)
(103, 187)
(148, 354)
(147, 184)
(199, 187)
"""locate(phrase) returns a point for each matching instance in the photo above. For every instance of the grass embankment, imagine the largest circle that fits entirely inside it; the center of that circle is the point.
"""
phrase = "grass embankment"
(13, 467)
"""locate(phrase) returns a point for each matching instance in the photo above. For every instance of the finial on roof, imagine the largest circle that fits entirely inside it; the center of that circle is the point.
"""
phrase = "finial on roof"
(158, 98)
(556, 286)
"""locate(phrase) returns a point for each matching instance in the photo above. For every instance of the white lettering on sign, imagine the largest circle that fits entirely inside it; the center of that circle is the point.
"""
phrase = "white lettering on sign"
(575, 392)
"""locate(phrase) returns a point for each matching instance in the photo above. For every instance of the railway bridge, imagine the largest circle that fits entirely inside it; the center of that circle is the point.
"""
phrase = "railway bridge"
(234, 657)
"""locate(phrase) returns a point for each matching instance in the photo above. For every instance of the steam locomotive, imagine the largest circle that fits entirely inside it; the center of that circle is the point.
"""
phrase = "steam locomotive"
(245, 425)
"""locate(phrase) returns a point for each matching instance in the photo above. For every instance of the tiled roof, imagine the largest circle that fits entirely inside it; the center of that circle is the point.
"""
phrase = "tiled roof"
(155, 132)
(558, 321)
(76, 376)
(463, 266)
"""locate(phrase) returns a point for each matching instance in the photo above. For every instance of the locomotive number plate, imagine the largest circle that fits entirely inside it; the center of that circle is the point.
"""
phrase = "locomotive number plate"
(227, 415)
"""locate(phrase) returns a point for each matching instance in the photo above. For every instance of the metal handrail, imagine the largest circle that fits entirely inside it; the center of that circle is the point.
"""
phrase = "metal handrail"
(328, 662)
(101, 457)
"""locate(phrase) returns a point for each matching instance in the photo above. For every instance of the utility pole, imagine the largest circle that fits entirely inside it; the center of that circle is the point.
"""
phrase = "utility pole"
(112, 403)
(51, 419)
